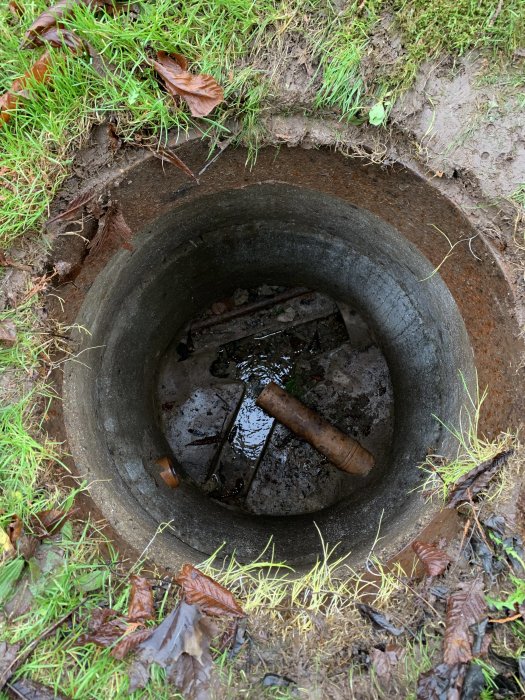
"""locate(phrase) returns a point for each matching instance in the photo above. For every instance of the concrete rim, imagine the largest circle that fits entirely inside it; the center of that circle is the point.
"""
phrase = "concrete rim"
(277, 234)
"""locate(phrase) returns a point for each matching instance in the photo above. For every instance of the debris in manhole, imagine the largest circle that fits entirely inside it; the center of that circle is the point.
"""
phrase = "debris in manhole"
(321, 354)
(340, 449)
(168, 474)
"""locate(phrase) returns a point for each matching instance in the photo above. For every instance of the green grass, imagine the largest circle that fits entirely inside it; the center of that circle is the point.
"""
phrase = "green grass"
(472, 448)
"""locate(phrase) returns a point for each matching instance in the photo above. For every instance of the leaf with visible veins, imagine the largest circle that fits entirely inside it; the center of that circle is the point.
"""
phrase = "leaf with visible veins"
(434, 560)
(50, 19)
(477, 479)
(181, 645)
(210, 596)
(163, 154)
(39, 72)
(201, 92)
(465, 608)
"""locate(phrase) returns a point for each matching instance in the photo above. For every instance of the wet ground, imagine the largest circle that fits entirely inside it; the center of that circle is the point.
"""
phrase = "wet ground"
(319, 351)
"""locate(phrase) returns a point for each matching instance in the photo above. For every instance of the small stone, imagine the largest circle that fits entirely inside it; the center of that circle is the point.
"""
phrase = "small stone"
(219, 308)
(287, 316)
(63, 268)
(241, 297)
(7, 333)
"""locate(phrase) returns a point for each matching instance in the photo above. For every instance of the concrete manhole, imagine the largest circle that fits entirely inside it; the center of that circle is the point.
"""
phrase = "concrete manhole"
(280, 273)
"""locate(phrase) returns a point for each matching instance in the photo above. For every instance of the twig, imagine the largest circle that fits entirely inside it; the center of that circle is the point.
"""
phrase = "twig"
(496, 13)
(502, 620)
(22, 658)
(465, 532)
(222, 147)
(475, 515)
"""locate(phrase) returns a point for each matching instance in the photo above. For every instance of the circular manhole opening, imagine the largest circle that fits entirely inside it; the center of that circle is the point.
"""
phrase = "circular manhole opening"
(344, 312)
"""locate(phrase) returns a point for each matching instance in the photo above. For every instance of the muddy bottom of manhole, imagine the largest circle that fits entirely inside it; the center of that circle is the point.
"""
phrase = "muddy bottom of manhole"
(319, 351)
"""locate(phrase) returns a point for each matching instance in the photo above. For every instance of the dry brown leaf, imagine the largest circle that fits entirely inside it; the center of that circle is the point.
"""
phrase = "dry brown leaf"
(15, 8)
(24, 544)
(15, 529)
(140, 600)
(58, 37)
(5, 261)
(201, 590)
(7, 333)
(107, 627)
(202, 92)
(51, 18)
(168, 474)
(465, 608)
(39, 72)
(384, 662)
(435, 560)
(477, 479)
(166, 154)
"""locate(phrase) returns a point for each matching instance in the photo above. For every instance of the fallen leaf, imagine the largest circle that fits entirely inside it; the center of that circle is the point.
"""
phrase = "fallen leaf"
(210, 596)
(7, 333)
(272, 680)
(201, 92)
(38, 72)
(168, 474)
(130, 641)
(6, 548)
(434, 560)
(24, 544)
(15, 529)
(58, 37)
(465, 608)
(183, 633)
(240, 638)
(384, 662)
(32, 690)
(92, 580)
(166, 154)
(477, 479)
(140, 600)
(112, 227)
(8, 655)
(50, 19)
(105, 627)
(15, 8)
(49, 522)
(474, 682)
(378, 619)
(443, 682)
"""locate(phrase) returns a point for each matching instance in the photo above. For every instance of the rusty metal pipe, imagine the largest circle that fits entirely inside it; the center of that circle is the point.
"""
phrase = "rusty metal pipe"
(343, 451)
